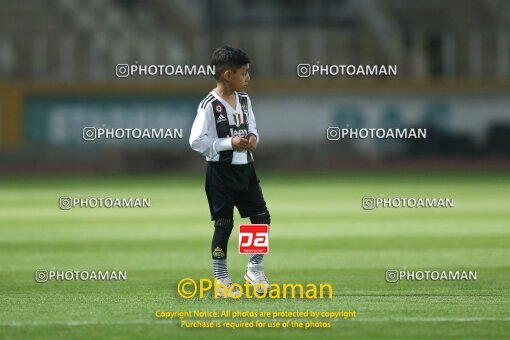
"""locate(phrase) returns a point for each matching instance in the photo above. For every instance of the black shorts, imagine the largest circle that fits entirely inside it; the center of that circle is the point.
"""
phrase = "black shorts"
(228, 185)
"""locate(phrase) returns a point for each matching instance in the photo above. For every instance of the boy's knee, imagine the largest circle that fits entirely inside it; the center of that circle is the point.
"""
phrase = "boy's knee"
(224, 223)
(263, 218)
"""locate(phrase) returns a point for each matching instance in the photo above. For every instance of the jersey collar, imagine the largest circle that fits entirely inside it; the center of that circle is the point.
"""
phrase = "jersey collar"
(225, 103)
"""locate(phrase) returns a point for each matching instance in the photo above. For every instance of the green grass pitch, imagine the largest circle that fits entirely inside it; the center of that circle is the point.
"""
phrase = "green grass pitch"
(319, 234)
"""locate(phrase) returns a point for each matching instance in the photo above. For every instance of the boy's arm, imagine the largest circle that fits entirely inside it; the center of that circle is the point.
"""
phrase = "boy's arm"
(252, 128)
(201, 139)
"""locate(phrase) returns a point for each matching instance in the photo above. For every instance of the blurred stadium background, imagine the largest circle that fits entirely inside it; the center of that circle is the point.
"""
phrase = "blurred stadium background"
(57, 75)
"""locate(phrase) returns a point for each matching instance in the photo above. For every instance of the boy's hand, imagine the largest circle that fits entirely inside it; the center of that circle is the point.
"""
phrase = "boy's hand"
(239, 144)
(252, 142)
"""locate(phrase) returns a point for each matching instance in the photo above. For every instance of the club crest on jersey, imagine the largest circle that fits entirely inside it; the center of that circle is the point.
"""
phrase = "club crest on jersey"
(238, 118)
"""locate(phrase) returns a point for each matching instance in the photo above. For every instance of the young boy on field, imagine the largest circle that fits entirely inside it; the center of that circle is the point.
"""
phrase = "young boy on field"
(225, 132)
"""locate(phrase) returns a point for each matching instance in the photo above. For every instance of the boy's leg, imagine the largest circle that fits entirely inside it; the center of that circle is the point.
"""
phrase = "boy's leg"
(222, 231)
(255, 269)
(251, 203)
(263, 218)
(219, 197)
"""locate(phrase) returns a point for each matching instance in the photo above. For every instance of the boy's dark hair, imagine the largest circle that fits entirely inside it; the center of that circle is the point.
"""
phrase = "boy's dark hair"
(226, 57)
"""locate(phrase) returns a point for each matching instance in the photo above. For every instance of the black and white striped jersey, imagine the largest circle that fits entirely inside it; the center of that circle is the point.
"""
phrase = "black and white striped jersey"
(215, 125)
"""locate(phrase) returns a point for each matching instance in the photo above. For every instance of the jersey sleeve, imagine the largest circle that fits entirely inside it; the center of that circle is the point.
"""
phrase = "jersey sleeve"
(203, 137)
(252, 124)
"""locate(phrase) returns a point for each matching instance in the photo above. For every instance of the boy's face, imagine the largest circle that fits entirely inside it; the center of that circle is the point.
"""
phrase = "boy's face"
(239, 79)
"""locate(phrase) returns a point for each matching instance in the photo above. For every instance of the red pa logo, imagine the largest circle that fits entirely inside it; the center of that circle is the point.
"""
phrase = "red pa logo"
(253, 239)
